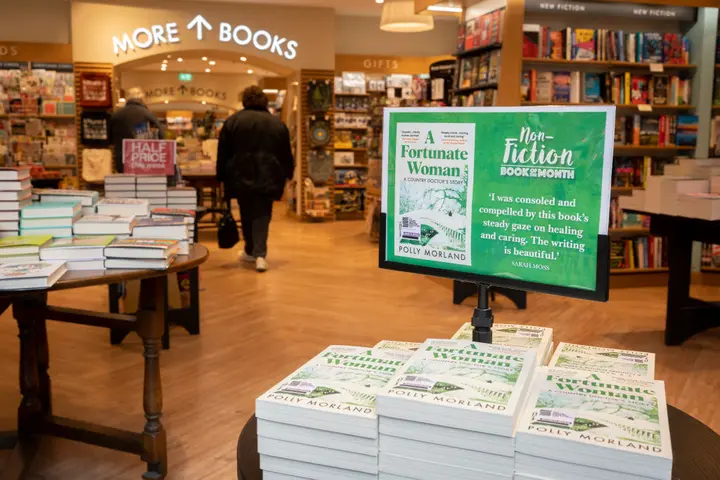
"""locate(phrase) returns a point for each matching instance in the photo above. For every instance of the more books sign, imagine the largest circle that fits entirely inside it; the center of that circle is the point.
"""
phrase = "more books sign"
(149, 157)
(517, 197)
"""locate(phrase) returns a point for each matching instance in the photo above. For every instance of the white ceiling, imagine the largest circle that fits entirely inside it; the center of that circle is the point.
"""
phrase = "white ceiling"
(342, 7)
(195, 64)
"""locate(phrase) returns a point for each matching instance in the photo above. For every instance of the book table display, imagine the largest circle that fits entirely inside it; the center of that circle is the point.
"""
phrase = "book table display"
(35, 414)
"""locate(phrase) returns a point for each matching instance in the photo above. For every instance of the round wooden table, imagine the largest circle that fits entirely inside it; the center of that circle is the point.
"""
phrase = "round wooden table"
(696, 449)
(35, 416)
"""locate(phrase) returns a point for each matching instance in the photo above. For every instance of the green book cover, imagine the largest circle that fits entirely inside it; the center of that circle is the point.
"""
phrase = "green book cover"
(24, 241)
(608, 361)
(395, 345)
(90, 241)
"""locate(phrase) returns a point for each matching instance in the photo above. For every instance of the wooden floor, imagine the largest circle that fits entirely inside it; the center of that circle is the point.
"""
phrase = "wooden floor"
(323, 288)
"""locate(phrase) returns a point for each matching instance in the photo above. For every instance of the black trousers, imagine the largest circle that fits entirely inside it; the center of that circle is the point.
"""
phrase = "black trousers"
(255, 215)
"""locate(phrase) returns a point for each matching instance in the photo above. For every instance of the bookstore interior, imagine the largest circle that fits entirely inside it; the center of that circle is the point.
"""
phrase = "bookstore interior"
(533, 184)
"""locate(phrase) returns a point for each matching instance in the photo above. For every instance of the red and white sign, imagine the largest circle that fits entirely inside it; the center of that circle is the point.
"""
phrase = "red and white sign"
(149, 157)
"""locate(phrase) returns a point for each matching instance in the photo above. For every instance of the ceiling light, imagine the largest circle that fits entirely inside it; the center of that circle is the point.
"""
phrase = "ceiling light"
(167, 101)
(444, 8)
(204, 102)
(165, 61)
(250, 71)
(379, 1)
(121, 100)
(212, 62)
(180, 59)
(243, 59)
(270, 90)
(399, 16)
(207, 70)
(204, 59)
(169, 56)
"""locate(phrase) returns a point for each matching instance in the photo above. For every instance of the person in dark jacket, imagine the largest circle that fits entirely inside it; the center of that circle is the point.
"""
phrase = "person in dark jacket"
(254, 161)
(134, 120)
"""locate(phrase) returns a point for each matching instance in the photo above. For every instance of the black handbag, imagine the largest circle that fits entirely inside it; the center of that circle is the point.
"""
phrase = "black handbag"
(228, 235)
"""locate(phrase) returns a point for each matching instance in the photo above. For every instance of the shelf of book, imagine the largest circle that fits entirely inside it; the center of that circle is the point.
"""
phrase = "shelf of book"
(622, 105)
(633, 271)
(609, 63)
(655, 148)
(477, 50)
(466, 90)
(351, 149)
(42, 117)
(628, 231)
(352, 94)
(357, 129)
(352, 111)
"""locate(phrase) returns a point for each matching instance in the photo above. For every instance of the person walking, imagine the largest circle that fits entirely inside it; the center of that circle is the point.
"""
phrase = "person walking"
(253, 163)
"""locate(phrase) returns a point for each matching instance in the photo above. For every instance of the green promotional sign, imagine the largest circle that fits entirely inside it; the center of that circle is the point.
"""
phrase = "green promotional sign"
(517, 194)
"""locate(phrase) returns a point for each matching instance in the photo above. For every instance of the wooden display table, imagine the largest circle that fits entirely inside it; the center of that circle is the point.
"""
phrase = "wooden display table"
(35, 416)
(696, 449)
(685, 315)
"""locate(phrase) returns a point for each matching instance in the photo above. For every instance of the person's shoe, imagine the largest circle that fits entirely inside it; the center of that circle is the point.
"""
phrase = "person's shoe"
(261, 264)
(244, 257)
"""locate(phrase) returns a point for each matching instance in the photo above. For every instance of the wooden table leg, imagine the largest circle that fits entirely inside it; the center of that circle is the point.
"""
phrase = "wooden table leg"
(194, 325)
(150, 326)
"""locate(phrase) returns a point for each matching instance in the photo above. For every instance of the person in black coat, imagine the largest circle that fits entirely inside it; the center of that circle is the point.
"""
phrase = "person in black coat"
(254, 161)
(134, 120)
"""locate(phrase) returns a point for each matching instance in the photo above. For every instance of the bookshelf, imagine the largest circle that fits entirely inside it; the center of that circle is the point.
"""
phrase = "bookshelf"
(607, 63)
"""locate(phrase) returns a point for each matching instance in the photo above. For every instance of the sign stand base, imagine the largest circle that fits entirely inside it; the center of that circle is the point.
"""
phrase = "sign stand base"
(482, 319)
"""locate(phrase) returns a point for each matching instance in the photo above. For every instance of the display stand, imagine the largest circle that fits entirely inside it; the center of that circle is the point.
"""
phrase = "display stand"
(482, 319)
(463, 290)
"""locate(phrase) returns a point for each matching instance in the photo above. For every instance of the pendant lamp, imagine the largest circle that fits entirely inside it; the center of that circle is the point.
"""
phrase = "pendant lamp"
(400, 16)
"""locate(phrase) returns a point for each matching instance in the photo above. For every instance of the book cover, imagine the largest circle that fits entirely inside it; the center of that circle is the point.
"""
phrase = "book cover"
(525, 87)
(469, 34)
(395, 345)
(639, 90)
(24, 241)
(609, 361)
(153, 243)
(557, 45)
(29, 270)
(19, 173)
(173, 212)
(96, 218)
(659, 88)
(340, 379)
(674, 49)
(649, 131)
(88, 241)
(460, 45)
(524, 336)
(531, 41)
(584, 44)
(653, 48)
(592, 88)
(545, 87)
(160, 222)
(123, 201)
(598, 410)
(561, 88)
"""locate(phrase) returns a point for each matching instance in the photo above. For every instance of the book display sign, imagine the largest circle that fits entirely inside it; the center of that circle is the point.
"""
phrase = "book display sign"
(149, 157)
(516, 197)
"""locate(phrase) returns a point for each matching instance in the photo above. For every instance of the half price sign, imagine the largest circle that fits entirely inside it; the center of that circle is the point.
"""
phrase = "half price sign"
(149, 157)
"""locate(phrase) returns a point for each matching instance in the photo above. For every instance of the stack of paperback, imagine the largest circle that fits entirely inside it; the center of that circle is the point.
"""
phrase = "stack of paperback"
(15, 193)
(79, 253)
(320, 422)
(606, 361)
(188, 217)
(182, 197)
(127, 207)
(451, 411)
(593, 425)
(27, 276)
(173, 229)
(140, 253)
(395, 345)
(24, 249)
(153, 188)
(119, 226)
(120, 186)
(87, 198)
(50, 218)
(540, 339)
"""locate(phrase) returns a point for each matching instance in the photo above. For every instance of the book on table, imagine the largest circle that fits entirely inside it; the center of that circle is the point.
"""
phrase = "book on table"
(9, 233)
(175, 229)
(124, 206)
(23, 245)
(609, 361)
(19, 258)
(166, 212)
(15, 195)
(14, 173)
(51, 210)
(142, 248)
(77, 248)
(119, 187)
(581, 424)
(139, 263)
(396, 345)
(113, 194)
(9, 225)
(151, 180)
(22, 184)
(49, 222)
(24, 276)
(10, 206)
(96, 264)
(151, 194)
(86, 198)
(120, 178)
(182, 192)
(105, 225)
(537, 338)
(56, 232)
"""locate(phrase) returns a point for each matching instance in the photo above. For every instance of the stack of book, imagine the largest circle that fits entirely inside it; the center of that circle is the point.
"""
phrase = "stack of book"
(539, 339)
(119, 226)
(23, 249)
(396, 345)
(87, 198)
(120, 186)
(15, 193)
(80, 252)
(165, 228)
(152, 188)
(141, 254)
(50, 218)
(182, 197)
(29, 276)
(451, 411)
(607, 361)
(188, 217)
(320, 422)
(593, 425)
(126, 207)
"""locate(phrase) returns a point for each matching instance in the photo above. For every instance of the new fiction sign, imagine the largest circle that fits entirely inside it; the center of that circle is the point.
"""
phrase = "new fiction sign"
(146, 37)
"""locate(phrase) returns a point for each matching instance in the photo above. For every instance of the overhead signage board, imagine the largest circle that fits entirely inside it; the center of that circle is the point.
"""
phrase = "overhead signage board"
(147, 36)
(600, 9)
(149, 157)
(516, 197)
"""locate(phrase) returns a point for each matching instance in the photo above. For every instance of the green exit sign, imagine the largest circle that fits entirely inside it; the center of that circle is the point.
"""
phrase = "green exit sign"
(185, 77)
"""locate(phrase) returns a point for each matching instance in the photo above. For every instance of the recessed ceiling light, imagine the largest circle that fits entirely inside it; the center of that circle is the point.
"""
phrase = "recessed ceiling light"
(121, 100)
(167, 101)
(212, 62)
(443, 8)
(204, 59)
(180, 59)
(204, 102)
(379, 1)
(270, 90)
(169, 56)
(165, 61)
(250, 71)
(207, 70)
(243, 59)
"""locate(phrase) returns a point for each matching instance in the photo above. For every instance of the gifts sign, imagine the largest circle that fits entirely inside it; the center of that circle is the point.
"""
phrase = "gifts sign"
(149, 157)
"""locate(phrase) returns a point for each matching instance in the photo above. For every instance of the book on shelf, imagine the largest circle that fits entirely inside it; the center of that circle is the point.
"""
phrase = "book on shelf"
(686, 130)
(91, 247)
(25, 276)
(51, 210)
(14, 173)
(606, 361)
(594, 425)
(583, 44)
(561, 87)
(531, 41)
(86, 198)
(638, 253)
(659, 131)
(397, 345)
(175, 229)
(539, 339)
(544, 87)
(142, 248)
(99, 224)
(482, 31)
(124, 207)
